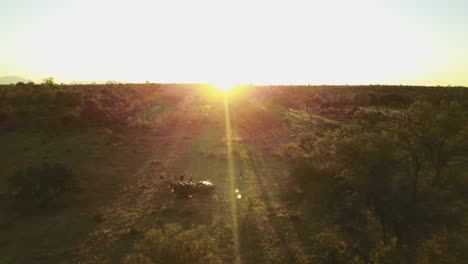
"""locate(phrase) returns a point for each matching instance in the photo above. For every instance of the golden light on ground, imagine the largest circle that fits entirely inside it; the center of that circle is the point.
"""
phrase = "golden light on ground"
(233, 191)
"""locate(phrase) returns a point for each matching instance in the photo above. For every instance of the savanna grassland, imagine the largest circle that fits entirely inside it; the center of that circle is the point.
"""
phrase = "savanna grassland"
(303, 174)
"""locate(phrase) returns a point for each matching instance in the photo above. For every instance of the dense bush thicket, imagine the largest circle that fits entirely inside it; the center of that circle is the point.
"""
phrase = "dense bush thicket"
(173, 244)
(40, 185)
(41, 107)
(331, 98)
(390, 194)
(48, 105)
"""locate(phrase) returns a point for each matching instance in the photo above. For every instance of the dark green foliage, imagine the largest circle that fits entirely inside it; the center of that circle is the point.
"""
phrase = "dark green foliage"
(71, 118)
(440, 249)
(69, 105)
(68, 99)
(39, 185)
(430, 135)
(173, 244)
(394, 178)
(329, 248)
(394, 99)
(6, 112)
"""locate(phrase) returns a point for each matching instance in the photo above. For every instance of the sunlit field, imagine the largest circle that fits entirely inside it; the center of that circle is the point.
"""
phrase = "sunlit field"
(301, 174)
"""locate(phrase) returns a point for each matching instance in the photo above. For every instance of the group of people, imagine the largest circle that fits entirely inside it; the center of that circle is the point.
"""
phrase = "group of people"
(182, 177)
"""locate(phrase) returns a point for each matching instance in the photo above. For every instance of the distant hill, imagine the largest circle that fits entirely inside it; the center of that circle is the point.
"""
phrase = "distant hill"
(12, 79)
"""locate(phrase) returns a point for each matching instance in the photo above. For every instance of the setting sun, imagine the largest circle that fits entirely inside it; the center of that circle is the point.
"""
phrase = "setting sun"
(382, 45)
(224, 85)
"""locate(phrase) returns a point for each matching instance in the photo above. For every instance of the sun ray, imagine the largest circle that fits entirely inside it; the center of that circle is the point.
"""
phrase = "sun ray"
(232, 190)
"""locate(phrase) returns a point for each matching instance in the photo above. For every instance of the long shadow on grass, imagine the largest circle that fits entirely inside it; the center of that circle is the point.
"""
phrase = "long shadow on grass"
(163, 207)
(277, 224)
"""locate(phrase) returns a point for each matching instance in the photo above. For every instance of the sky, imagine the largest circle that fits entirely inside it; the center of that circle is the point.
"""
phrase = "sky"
(415, 42)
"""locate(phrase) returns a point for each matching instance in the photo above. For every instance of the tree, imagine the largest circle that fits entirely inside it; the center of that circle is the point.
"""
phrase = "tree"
(392, 175)
(49, 81)
(430, 136)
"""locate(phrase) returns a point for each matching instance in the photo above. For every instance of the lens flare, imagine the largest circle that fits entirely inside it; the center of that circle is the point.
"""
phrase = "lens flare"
(230, 167)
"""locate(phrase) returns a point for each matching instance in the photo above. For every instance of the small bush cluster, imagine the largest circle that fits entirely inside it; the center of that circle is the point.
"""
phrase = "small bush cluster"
(173, 244)
(40, 185)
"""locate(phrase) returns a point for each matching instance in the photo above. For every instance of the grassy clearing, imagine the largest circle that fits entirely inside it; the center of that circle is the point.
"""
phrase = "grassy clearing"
(101, 166)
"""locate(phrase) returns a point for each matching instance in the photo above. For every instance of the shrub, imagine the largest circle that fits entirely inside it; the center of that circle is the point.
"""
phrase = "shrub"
(439, 249)
(364, 99)
(385, 253)
(41, 184)
(6, 112)
(172, 244)
(329, 247)
(70, 118)
(290, 151)
(67, 98)
(393, 99)
(48, 82)
(93, 111)
(369, 116)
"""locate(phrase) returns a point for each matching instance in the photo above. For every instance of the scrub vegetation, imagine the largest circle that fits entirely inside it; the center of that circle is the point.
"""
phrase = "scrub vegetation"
(303, 174)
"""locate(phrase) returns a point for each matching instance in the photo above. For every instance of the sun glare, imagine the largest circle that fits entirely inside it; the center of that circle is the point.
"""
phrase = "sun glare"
(224, 85)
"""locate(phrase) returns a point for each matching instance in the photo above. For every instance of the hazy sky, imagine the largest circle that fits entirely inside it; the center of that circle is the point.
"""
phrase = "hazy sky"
(241, 41)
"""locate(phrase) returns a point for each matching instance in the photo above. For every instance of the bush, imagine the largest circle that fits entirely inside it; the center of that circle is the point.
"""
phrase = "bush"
(6, 112)
(329, 247)
(393, 99)
(369, 116)
(290, 151)
(361, 99)
(93, 111)
(67, 98)
(70, 118)
(40, 185)
(439, 249)
(385, 253)
(172, 244)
